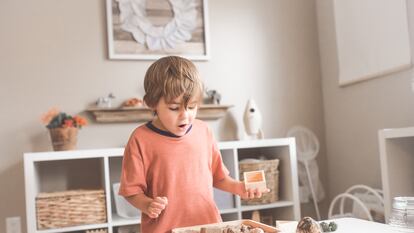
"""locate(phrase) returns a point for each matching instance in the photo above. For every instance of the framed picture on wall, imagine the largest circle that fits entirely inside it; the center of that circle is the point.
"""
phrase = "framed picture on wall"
(372, 39)
(150, 29)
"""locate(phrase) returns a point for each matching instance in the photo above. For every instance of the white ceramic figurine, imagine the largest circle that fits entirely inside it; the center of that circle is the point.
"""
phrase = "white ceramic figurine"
(253, 121)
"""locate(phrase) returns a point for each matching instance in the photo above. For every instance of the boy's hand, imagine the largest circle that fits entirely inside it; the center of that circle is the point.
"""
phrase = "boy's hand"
(251, 193)
(156, 206)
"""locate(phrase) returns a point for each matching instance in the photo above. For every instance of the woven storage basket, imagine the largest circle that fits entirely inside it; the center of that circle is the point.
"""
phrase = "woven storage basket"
(70, 208)
(64, 138)
(270, 168)
(97, 231)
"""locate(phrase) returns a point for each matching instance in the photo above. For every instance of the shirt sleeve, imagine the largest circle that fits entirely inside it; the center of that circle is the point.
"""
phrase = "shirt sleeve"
(133, 171)
(218, 168)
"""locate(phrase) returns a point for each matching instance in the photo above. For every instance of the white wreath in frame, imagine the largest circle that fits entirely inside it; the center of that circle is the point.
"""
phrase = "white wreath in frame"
(134, 20)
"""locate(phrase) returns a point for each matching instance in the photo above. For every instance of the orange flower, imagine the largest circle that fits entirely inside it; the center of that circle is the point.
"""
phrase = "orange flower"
(56, 119)
(49, 115)
(80, 121)
(67, 123)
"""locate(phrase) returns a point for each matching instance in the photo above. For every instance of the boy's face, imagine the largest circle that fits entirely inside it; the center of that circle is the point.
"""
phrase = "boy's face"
(174, 117)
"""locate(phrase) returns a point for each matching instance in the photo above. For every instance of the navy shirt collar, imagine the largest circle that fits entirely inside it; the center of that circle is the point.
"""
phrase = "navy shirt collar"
(163, 132)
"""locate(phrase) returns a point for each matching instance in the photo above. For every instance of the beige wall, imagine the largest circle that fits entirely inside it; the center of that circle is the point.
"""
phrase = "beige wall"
(355, 113)
(53, 53)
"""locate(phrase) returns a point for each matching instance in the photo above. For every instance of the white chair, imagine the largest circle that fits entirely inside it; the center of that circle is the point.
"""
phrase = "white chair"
(357, 205)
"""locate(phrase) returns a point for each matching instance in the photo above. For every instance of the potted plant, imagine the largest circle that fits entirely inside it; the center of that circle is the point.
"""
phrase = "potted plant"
(63, 128)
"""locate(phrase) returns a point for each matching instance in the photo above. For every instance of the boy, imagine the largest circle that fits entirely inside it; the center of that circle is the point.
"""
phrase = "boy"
(171, 163)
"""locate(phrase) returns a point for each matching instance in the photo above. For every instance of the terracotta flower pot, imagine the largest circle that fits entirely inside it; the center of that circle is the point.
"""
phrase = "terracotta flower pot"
(64, 138)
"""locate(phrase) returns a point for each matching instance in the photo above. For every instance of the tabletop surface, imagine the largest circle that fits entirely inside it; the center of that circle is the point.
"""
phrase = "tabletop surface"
(347, 225)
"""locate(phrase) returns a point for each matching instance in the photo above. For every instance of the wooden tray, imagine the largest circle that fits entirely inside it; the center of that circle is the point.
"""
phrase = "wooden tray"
(266, 228)
(139, 114)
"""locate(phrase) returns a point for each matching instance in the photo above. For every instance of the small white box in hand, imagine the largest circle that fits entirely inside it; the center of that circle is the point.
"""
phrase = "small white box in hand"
(255, 179)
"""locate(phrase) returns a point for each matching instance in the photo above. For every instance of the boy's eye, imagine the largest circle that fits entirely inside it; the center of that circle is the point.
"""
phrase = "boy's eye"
(192, 106)
(173, 108)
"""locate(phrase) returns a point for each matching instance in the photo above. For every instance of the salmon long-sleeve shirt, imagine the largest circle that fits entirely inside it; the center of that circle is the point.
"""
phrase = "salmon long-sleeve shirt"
(183, 169)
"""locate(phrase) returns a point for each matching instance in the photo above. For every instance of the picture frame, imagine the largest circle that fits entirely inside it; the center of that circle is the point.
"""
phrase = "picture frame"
(372, 39)
(149, 30)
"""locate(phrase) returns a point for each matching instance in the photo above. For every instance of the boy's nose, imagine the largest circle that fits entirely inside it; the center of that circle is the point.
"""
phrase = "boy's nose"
(184, 112)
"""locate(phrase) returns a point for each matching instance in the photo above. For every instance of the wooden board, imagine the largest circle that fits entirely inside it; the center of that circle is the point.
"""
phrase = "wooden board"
(139, 114)
(266, 228)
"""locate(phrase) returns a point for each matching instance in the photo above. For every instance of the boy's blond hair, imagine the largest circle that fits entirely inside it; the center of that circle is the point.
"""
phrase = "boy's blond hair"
(171, 77)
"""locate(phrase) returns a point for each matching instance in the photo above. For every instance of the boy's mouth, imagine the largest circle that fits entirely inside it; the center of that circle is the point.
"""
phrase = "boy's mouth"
(182, 125)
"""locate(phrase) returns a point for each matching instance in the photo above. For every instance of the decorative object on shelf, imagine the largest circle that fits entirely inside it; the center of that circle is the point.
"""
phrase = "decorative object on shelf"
(133, 102)
(64, 138)
(105, 102)
(253, 121)
(63, 128)
(141, 113)
(70, 208)
(271, 172)
(140, 29)
(213, 97)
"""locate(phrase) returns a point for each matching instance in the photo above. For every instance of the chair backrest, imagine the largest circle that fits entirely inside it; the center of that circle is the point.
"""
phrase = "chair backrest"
(352, 193)
(340, 198)
(377, 194)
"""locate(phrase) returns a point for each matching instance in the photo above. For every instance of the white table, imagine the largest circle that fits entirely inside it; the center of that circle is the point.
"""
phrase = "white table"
(347, 225)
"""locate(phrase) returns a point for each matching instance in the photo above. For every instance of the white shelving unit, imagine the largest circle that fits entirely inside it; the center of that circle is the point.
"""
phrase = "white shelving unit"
(396, 148)
(93, 169)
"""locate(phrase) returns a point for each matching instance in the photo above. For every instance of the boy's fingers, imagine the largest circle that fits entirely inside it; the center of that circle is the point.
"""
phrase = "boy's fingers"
(251, 193)
(155, 210)
(162, 200)
(257, 193)
(156, 205)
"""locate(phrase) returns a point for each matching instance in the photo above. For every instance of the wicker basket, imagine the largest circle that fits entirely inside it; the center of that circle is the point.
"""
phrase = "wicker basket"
(270, 168)
(64, 138)
(97, 231)
(70, 208)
